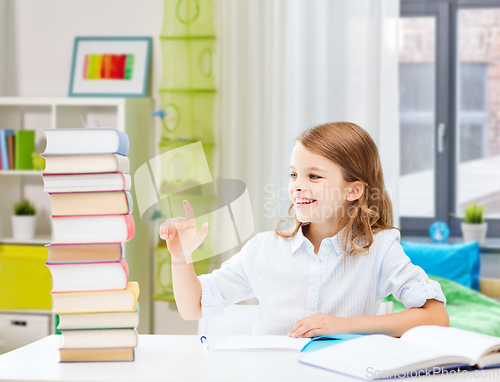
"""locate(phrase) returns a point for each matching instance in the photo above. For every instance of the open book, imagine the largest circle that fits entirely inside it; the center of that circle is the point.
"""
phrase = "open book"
(426, 347)
(281, 343)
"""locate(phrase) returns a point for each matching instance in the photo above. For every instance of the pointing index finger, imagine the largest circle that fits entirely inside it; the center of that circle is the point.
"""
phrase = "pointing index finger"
(189, 210)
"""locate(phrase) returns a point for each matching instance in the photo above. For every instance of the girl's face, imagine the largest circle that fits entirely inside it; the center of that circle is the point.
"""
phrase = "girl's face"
(317, 187)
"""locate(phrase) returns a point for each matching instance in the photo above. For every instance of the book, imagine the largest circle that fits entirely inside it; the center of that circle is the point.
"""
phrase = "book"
(99, 338)
(80, 253)
(115, 181)
(24, 148)
(114, 320)
(86, 141)
(86, 164)
(97, 302)
(420, 348)
(92, 229)
(81, 277)
(91, 203)
(262, 343)
(4, 133)
(11, 139)
(97, 355)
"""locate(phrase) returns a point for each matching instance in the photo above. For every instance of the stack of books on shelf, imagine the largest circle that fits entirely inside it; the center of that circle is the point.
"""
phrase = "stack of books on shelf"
(87, 178)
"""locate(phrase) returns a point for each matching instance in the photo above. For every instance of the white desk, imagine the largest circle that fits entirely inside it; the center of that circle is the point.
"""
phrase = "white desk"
(166, 358)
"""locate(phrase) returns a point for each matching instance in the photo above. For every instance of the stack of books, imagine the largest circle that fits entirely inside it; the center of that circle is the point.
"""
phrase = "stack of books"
(87, 178)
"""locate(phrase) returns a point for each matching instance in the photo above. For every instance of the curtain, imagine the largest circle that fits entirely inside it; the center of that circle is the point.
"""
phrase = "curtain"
(283, 66)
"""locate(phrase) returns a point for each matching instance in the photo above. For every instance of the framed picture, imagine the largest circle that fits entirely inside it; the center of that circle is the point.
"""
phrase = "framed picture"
(110, 67)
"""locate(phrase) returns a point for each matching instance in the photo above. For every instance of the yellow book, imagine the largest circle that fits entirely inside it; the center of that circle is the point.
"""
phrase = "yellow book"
(96, 302)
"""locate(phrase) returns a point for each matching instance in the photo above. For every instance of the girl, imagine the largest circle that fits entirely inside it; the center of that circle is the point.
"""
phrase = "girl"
(330, 272)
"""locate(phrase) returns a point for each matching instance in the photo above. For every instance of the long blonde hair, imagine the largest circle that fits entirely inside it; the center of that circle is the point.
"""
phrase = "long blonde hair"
(354, 151)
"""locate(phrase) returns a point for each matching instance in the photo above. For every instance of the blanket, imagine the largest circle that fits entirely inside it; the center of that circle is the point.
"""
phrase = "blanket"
(467, 308)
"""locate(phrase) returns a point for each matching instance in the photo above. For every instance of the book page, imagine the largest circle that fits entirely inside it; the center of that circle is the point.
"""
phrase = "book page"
(372, 355)
(454, 341)
(261, 343)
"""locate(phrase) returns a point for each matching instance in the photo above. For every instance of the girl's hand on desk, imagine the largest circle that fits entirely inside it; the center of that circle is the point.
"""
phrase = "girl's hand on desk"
(319, 325)
(181, 235)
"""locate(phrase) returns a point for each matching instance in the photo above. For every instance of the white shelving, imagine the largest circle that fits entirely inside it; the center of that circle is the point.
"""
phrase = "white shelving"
(20, 173)
(51, 113)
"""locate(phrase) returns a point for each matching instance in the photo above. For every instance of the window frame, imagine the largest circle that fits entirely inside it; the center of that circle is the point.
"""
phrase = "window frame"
(446, 111)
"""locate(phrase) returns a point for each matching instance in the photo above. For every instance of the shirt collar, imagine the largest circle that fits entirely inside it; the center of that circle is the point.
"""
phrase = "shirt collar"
(299, 239)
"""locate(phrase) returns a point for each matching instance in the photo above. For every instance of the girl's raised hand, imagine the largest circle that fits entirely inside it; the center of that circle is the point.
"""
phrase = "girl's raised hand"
(181, 235)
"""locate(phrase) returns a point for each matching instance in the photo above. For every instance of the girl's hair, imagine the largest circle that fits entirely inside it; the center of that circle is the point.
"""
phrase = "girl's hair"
(354, 151)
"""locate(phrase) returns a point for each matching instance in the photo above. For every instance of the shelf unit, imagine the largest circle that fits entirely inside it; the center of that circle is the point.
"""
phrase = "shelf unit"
(51, 113)
(130, 115)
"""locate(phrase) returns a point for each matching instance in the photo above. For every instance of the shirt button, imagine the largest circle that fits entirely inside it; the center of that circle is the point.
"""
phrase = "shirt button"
(314, 287)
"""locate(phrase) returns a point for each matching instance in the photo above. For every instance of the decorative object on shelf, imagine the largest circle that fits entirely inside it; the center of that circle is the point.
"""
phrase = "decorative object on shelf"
(160, 113)
(474, 226)
(439, 232)
(38, 162)
(24, 220)
(110, 67)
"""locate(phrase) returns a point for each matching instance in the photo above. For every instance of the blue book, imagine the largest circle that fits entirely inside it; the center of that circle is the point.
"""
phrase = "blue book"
(3, 147)
(99, 140)
(321, 342)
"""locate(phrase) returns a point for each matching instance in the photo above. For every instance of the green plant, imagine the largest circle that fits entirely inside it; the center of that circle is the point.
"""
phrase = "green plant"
(474, 214)
(24, 207)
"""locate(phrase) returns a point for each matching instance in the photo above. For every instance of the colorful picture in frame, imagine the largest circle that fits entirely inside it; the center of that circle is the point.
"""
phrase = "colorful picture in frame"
(110, 67)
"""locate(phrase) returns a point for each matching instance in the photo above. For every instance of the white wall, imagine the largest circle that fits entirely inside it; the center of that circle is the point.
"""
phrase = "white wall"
(40, 37)
(3, 41)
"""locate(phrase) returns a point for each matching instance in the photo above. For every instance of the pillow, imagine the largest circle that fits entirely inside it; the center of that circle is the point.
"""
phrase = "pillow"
(457, 262)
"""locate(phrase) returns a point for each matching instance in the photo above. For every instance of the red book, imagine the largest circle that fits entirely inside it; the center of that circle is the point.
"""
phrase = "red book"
(95, 229)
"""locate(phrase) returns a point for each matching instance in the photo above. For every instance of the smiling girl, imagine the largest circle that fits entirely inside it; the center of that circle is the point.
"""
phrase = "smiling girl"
(330, 272)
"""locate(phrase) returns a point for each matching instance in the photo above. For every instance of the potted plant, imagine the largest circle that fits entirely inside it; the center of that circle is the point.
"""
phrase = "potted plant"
(474, 226)
(23, 221)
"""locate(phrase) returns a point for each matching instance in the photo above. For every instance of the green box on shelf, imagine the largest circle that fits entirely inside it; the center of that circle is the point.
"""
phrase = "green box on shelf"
(187, 64)
(188, 18)
(189, 115)
(181, 170)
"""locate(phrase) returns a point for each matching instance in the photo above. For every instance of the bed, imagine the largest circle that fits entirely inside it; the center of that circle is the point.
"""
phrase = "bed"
(477, 311)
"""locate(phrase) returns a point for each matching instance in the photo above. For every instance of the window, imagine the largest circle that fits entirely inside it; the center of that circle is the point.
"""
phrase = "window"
(449, 72)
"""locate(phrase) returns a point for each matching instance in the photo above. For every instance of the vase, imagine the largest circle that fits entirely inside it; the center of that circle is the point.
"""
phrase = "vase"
(474, 232)
(23, 227)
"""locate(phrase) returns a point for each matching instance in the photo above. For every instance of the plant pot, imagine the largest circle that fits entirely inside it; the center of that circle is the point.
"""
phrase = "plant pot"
(474, 232)
(23, 227)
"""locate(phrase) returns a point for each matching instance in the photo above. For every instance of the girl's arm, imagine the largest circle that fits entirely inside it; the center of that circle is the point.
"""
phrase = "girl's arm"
(433, 312)
(187, 291)
(182, 239)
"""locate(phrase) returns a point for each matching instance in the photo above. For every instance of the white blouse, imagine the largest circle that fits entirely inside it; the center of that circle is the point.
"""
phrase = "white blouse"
(292, 282)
